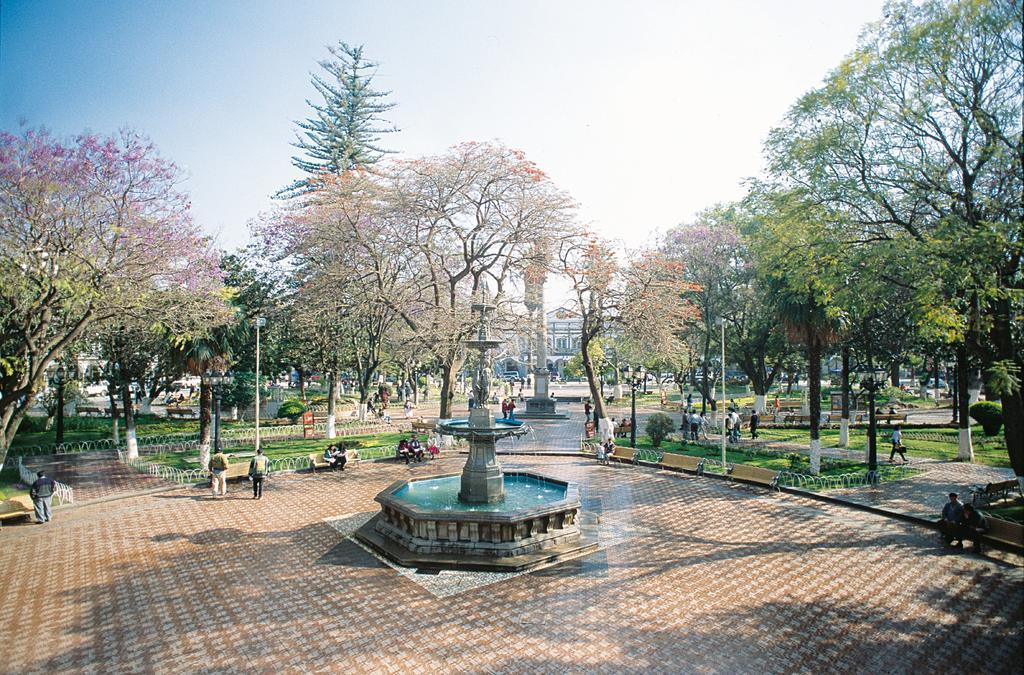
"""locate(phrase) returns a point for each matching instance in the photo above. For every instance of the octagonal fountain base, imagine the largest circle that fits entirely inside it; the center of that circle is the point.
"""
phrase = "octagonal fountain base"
(423, 524)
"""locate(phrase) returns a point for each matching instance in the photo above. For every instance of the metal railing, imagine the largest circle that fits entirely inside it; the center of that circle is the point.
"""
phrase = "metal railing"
(845, 480)
(64, 493)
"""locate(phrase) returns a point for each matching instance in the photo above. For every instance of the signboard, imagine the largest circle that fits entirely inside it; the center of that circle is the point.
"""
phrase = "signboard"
(308, 429)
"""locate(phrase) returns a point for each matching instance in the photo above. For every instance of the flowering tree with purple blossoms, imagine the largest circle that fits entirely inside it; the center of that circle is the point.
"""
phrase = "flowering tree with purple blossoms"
(92, 230)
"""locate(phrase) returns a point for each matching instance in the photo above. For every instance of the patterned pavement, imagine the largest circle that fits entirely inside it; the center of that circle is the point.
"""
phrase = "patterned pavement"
(94, 475)
(694, 575)
(924, 494)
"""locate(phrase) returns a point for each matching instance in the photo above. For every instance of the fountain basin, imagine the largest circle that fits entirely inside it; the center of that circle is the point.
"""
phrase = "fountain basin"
(422, 523)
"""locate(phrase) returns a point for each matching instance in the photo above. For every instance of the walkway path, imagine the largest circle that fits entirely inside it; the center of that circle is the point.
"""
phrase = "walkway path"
(95, 475)
(923, 495)
(752, 581)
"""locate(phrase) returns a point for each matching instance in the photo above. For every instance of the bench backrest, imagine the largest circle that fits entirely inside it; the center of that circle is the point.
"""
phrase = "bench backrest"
(623, 453)
(17, 504)
(754, 474)
(684, 462)
(1002, 486)
(1005, 530)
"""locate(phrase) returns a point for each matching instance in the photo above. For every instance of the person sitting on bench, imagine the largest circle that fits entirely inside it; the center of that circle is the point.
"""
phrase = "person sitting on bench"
(952, 514)
(897, 446)
(339, 457)
(415, 448)
(403, 450)
(973, 526)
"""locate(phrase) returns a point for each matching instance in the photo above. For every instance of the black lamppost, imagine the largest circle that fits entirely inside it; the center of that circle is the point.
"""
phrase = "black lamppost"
(217, 380)
(871, 384)
(59, 381)
(634, 378)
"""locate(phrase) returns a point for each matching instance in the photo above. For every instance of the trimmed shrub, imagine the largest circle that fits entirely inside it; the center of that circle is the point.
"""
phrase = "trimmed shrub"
(292, 409)
(989, 415)
(659, 426)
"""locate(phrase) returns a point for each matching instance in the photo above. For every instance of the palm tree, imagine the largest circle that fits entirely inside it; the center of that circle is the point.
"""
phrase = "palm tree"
(199, 355)
(808, 323)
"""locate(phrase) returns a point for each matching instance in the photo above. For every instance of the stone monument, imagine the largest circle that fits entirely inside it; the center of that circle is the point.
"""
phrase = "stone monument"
(541, 404)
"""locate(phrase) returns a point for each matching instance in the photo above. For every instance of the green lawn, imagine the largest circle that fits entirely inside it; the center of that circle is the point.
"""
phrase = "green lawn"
(79, 429)
(369, 445)
(8, 480)
(1014, 512)
(988, 450)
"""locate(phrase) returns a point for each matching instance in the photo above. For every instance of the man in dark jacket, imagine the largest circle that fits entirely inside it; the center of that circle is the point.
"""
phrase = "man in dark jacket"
(952, 513)
(42, 494)
(973, 526)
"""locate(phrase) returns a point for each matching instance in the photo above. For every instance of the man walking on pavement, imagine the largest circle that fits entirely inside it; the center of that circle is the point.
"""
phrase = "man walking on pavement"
(42, 495)
(219, 474)
(258, 471)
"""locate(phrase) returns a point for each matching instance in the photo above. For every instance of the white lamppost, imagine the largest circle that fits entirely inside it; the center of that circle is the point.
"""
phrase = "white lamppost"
(721, 414)
(260, 322)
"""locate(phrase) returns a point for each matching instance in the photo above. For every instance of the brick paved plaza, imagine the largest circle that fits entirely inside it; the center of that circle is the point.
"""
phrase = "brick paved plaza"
(694, 574)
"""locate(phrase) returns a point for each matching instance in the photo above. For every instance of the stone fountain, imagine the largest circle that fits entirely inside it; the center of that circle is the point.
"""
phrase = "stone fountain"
(482, 518)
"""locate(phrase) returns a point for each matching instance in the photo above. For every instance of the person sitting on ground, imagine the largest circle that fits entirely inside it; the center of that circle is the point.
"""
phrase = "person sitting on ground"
(403, 450)
(415, 448)
(340, 456)
(897, 446)
(949, 525)
(973, 526)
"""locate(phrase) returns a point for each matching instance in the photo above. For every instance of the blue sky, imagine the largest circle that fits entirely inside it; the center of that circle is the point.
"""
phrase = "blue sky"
(645, 112)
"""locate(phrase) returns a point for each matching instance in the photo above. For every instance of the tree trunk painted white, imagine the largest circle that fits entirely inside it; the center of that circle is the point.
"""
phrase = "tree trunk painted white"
(116, 431)
(331, 433)
(844, 432)
(131, 442)
(805, 405)
(204, 455)
(604, 430)
(361, 408)
(759, 403)
(234, 413)
(965, 449)
(973, 396)
(815, 456)
(146, 406)
(617, 391)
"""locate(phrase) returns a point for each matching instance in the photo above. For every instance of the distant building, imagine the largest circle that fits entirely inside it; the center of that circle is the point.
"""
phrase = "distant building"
(564, 331)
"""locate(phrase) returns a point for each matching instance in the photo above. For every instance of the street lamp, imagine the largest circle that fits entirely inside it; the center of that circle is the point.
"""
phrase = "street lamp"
(216, 380)
(634, 377)
(871, 384)
(260, 322)
(721, 414)
(58, 381)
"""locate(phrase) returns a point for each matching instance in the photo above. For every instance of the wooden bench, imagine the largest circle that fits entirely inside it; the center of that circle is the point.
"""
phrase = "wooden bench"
(89, 410)
(755, 474)
(685, 463)
(623, 454)
(890, 418)
(422, 425)
(182, 412)
(1004, 533)
(317, 461)
(20, 506)
(623, 428)
(994, 491)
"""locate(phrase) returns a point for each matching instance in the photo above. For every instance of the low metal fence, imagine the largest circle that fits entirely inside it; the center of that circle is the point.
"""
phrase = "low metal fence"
(65, 494)
(845, 480)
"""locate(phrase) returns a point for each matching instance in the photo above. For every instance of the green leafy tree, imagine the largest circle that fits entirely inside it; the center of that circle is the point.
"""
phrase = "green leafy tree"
(345, 129)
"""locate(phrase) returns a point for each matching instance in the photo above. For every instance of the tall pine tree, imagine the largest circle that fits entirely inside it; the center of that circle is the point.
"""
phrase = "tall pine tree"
(345, 129)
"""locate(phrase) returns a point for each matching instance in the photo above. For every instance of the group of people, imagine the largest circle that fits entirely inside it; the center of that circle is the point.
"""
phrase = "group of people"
(259, 470)
(962, 521)
(411, 449)
(336, 456)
